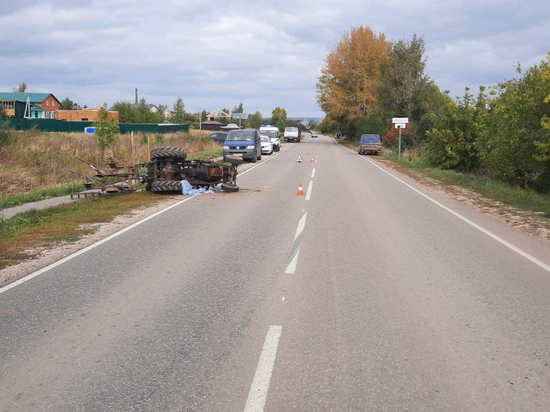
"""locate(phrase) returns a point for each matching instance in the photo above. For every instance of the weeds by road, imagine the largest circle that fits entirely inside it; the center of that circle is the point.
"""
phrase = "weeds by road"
(43, 165)
(29, 233)
(521, 198)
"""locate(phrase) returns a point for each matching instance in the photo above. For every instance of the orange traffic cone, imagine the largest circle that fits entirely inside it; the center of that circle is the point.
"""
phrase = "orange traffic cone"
(307, 152)
(312, 161)
(300, 190)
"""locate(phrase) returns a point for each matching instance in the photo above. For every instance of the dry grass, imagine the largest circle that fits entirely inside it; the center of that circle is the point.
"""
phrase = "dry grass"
(46, 160)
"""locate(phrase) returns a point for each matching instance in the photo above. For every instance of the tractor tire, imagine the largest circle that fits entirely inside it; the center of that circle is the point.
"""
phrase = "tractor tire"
(229, 187)
(176, 153)
(166, 186)
(234, 160)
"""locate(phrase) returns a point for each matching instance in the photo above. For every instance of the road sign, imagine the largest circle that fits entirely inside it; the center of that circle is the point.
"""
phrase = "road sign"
(299, 160)
(239, 115)
(400, 120)
(400, 125)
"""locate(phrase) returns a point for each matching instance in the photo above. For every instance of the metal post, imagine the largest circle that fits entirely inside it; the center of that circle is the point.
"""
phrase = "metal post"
(400, 143)
(148, 148)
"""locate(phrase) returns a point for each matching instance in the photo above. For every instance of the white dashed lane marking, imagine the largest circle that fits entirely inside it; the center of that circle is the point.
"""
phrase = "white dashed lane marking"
(295, 252)
(262, 378)
(309, 189)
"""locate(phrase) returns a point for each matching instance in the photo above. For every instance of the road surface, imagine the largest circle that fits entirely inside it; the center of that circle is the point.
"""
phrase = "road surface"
(361, 295)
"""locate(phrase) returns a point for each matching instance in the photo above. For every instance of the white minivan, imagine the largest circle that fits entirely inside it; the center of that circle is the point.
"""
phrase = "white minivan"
(274, 136)
(293, 134)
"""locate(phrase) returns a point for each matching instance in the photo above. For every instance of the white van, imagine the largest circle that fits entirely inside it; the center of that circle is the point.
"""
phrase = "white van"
(292, 134)
(274, 136)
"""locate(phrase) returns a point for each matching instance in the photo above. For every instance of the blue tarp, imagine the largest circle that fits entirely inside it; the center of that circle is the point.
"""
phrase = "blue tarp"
(188, 190)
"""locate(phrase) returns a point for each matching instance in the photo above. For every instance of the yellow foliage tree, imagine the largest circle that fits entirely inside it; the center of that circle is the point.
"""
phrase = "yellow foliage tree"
(347, 87)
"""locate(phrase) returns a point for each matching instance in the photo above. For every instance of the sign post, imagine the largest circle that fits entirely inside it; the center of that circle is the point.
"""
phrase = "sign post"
(239, 116)
(400, 123)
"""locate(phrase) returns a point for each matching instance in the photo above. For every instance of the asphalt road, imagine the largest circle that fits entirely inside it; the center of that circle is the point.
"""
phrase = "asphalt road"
(361, 295)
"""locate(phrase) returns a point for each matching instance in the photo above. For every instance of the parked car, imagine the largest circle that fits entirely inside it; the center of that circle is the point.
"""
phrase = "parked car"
(293, 134)
(244, 143)
(267, 146)
(370, 143)
(218, 137)
(274, 135)
(314, 133)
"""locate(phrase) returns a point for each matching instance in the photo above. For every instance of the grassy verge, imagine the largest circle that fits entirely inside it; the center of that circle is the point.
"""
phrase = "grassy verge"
(11, 200)
(207, 154)
(521, 198)
(45, 228)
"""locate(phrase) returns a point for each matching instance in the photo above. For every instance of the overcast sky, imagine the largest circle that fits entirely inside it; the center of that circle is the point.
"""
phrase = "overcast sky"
(263, 53)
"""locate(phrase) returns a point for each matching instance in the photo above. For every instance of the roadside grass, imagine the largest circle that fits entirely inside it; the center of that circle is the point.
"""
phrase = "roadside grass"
(27, 234)
(521, 198)
(39, 161)
(207, 154)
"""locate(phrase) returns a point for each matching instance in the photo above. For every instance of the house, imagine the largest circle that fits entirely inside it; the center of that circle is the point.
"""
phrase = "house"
(42, 105)
(211, 125)
(85, 115)
(218, 114)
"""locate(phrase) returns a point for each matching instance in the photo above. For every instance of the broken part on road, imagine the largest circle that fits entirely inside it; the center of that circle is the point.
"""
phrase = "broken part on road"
(167, 168)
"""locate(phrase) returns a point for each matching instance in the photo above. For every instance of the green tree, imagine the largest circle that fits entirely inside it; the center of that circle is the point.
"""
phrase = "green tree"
(405, 90)
(516, 143)
(239, 108)
(3, 113)
(67, 104)
(161, 116)
(144, 114)
(204, 116)
(452, 142)
(179, 111)
(22, 88)
(256, 120)
(126, 112)
(106, 130)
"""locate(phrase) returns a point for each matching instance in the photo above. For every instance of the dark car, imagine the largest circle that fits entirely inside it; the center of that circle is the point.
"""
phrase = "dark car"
(243, 143)
(218, 137)
(370, 143)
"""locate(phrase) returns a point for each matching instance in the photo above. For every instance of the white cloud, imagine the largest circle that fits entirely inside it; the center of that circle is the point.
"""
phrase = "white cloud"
(262, 53)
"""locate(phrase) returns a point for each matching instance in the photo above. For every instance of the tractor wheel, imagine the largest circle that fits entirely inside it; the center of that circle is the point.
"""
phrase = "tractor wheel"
(166, 186)
(176, 153)
(234, 160)
(229, 187)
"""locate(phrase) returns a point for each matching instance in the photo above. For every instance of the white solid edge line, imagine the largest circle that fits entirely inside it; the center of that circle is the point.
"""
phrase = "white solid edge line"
(458, 215)
(291, 268)
(90, 247)
(309, 188)
(100, 242)
(301, 226)
(313, 173)
(257, 396)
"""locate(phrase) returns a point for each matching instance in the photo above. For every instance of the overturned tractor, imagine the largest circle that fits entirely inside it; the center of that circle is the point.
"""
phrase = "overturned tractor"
(168, 167)
(165, 172)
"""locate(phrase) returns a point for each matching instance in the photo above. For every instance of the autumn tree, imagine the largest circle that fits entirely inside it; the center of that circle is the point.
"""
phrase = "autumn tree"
(348, 85)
